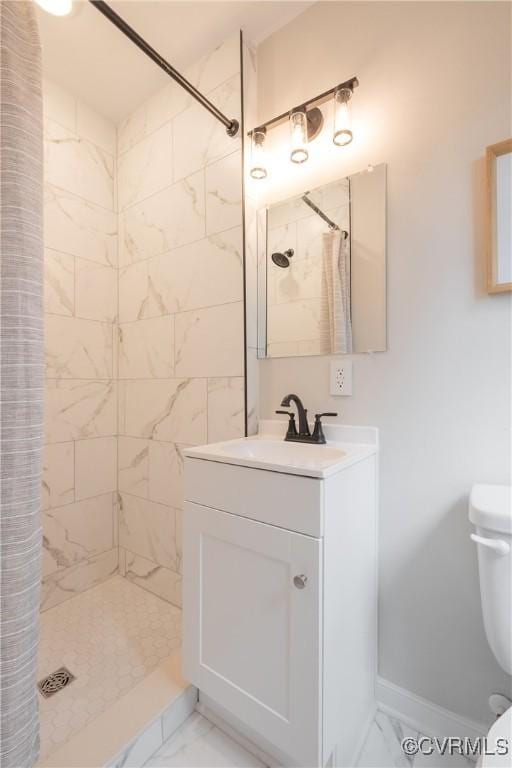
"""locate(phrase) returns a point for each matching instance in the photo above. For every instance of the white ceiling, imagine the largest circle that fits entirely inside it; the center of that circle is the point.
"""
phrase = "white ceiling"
(88, 56)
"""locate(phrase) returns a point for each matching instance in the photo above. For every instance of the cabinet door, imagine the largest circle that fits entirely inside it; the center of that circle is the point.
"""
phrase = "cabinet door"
(252, 637)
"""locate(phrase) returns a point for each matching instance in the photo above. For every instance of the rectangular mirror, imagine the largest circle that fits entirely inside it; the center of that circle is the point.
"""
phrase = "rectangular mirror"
(499, 177)
(322, 269)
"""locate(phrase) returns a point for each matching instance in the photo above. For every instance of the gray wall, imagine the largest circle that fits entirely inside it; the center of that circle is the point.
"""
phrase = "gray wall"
(435, 90)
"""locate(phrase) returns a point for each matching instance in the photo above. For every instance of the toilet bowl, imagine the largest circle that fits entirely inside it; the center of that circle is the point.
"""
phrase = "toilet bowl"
(490, 511)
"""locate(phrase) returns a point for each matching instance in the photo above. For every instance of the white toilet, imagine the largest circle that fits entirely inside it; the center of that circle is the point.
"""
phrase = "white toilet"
(490, 511)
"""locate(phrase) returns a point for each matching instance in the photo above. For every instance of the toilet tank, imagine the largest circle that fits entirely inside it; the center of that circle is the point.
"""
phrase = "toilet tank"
(490, 511)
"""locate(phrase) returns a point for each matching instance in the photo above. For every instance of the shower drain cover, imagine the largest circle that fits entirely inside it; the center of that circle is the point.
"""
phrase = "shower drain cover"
(55, 682)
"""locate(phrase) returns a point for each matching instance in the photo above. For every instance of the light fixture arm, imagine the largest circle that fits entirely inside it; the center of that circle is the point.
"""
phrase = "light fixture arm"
(232, 126)
(315, 102)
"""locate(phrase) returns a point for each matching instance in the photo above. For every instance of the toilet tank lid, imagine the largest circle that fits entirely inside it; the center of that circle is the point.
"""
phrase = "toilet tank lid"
(490, 506)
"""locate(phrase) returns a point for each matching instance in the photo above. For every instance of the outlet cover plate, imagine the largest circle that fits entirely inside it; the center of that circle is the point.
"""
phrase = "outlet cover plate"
(341, 378)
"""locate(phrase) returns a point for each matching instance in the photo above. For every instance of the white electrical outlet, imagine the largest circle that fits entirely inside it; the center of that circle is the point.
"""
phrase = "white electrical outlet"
(341, 377)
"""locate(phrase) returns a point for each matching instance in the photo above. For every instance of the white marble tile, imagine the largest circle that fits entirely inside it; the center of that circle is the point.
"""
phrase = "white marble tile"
(199, 138)
(199, 744)
(224, 193)
(77, 409)
(209, 342)
(76, 532)
(95, 128)
(146, 168)
(172, 410)
(81, 228)
(132, 129)
(153, 577)
(225, 409)
(179, 540)
(148, 529)
(168, 102)
(96, 291)
(133, 470)
(95, 466)
(166, 473)
(294, 321)
(59, 105)
(216, 66)
(176, 714)
(382, 747)
(146, 349)
(76, 165)
(184, 278)
(59, 283)
(78, 349)
(210, 71)
(62, 585)
(170, 218)
(144, 746)
(302, 280)
(58, 474)
(136, 296)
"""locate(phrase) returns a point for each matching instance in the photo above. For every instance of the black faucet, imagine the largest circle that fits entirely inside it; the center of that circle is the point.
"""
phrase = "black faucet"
(303, 435)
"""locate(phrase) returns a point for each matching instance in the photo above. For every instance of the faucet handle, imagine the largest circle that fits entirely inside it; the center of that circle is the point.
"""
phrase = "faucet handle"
(318, 432)
(292, 429)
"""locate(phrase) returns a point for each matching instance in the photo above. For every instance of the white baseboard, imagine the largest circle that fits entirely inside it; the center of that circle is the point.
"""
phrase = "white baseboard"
(423, 715)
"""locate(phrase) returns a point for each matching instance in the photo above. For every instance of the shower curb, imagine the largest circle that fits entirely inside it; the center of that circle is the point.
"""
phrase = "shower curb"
(134, 727)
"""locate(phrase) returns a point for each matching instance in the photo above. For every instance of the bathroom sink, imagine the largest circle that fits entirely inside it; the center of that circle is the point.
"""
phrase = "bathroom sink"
(280, 452)
(272, 453)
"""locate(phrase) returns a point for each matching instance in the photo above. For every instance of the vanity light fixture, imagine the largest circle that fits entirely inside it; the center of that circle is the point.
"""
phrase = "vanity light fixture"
(298, 136)
(306, 122)
(258, 160)
(342, 117)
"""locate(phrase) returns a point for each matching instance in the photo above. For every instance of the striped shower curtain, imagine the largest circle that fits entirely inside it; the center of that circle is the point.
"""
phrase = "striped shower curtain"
(335, 313)
(21, 379)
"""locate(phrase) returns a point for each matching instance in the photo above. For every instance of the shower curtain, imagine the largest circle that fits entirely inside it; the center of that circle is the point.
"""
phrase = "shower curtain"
(335, 320)
(21, 379)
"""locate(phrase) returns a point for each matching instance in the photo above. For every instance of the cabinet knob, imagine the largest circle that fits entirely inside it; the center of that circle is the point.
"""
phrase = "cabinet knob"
(300, 581)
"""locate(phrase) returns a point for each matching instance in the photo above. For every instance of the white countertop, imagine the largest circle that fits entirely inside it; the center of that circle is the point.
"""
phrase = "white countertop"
(268, 450)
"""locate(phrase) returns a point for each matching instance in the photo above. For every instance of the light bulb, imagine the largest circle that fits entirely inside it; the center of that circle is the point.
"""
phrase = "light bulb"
(342, 117)
(258, 159)
(298, 136)
(56, 7)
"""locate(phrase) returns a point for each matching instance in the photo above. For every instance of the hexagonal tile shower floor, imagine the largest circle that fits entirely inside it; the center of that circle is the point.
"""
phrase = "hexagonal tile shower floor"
(109, 638)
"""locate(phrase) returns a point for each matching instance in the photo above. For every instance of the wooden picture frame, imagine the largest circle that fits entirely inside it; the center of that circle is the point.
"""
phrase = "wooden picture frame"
(492, 153)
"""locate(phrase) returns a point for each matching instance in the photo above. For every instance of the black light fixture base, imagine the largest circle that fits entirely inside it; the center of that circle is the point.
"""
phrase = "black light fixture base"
(315, 122)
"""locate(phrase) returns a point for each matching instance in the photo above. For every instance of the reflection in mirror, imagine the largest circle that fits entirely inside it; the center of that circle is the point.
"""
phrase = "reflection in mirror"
(322, 269)
(499, 168)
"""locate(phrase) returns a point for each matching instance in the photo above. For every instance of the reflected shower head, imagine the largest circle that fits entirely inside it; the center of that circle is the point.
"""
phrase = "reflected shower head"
(283, 259)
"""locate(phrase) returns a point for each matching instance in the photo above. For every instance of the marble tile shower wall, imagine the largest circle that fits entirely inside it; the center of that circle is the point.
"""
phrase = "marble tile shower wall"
(181, 312)
(80, 459)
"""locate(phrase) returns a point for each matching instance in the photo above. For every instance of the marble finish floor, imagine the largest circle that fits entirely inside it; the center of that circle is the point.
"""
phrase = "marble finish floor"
(382, 748)
(200, 744)
(110, 637)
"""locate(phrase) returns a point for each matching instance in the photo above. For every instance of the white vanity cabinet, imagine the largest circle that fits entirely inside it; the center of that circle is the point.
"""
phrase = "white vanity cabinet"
(279, 597)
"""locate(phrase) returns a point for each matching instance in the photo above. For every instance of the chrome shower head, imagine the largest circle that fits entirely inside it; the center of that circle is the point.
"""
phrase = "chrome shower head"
(283, 259)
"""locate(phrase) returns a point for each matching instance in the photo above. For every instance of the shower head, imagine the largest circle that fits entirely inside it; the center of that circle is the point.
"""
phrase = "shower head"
(283, 259)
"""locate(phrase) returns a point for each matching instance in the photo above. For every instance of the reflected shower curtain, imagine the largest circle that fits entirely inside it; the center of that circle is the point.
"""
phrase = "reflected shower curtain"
(21, 379)
(335, 320)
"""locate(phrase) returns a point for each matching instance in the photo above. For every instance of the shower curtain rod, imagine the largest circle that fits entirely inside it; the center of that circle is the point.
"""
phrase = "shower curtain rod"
(231, 125)
(316, 209)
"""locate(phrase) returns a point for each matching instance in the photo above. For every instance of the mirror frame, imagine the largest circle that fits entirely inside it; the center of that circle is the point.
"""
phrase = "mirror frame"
(492, 153)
